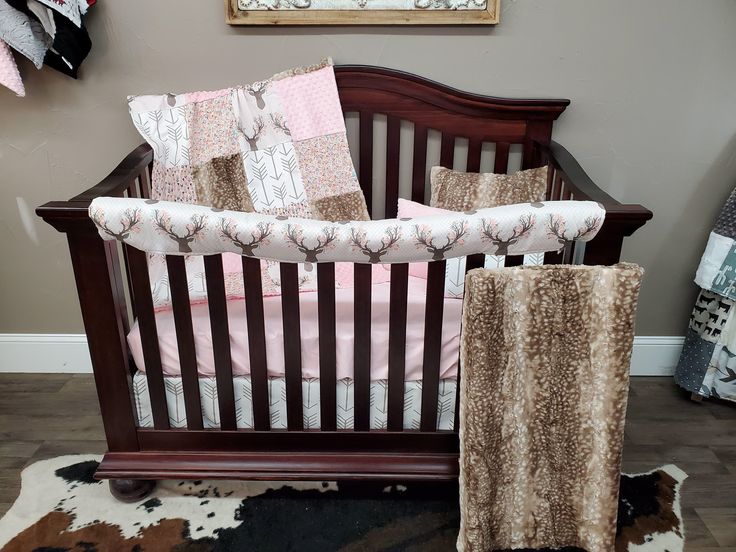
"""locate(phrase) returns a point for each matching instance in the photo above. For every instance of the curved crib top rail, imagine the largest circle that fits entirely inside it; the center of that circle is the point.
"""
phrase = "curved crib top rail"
(180, 229)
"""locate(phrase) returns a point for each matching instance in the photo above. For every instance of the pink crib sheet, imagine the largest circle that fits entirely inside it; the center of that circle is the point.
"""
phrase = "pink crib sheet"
(310, 335)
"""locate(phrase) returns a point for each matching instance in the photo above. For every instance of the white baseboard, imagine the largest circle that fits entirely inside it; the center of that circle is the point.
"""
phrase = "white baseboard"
(44, 353)
(655, 355)
(67, 353)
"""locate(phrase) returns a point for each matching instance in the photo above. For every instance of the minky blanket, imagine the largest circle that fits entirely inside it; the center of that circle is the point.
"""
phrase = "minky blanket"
(545, 356)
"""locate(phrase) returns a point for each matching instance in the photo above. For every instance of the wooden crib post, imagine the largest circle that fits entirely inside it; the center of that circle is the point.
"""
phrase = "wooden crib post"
(621, 221)
(100, 287)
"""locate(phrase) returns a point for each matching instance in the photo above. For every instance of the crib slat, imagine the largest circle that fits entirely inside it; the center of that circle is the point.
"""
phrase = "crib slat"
(256, 343)
(327, 346)
(397, 346)
(474, 261)
(149, 336)
(474, 151)
(366, 157)
(419, 169)
(185, 339)
(447, 151)
(220, 340)
(145, 181)
(434, 307)
(362, 351)
(129, 280)
(557, 186)
(514, 260)
(501, 162)
(292, 345)
(550, 180)
(392, 166)
(566, 193)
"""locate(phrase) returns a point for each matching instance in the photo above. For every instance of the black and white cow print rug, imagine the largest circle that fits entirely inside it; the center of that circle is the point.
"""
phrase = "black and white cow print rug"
(62, 508)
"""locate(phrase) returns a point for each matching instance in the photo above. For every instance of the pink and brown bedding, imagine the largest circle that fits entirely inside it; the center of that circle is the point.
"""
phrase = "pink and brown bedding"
(707, 365)
(264, 171)
(448, 235)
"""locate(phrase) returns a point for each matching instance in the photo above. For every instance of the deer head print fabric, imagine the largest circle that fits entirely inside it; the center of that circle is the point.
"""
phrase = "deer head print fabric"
(276, 146)
(461, 191)
(176, 229)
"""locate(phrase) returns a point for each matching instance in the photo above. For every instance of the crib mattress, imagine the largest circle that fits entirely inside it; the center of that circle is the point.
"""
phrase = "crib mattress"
(277, 400)
(450, 348)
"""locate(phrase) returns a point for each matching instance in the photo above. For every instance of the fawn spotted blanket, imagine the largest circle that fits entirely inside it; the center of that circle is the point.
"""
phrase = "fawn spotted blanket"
(545, 353)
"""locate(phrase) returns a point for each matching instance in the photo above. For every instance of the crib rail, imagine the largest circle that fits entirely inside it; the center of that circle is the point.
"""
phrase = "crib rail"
(444, 126)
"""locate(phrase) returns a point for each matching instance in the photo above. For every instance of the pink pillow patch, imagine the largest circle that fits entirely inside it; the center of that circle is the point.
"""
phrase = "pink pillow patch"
(412, 209)
(311, 104)
(9, 75)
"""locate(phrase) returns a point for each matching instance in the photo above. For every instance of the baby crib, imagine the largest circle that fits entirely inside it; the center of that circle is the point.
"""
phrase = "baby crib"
(462, 129)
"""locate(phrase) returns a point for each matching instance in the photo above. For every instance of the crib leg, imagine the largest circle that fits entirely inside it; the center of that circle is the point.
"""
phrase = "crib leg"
(131, 490)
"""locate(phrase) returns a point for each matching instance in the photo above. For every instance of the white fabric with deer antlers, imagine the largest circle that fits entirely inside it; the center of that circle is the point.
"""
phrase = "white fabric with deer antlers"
(179, 229)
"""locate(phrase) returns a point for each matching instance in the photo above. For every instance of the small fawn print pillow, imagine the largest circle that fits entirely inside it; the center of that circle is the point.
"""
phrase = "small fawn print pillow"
(461, 191)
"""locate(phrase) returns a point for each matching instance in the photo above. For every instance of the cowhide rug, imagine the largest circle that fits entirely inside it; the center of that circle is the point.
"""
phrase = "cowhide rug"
(62, 508)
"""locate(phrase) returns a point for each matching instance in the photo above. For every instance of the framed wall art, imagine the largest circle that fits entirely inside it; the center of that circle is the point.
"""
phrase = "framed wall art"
(362, 12)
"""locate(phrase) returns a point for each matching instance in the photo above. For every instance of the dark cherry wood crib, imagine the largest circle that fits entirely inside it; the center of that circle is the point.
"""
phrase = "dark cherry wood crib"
(112, 283)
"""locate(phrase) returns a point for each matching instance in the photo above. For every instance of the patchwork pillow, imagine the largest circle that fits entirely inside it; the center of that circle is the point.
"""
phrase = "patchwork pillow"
(460, 191)
(276, 146)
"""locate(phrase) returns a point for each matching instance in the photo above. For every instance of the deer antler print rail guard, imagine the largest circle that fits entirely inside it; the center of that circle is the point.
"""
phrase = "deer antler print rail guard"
(179, 229)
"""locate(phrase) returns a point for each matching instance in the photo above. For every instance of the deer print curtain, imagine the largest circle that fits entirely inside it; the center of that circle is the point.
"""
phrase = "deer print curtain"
(179, 229)
(707, 363)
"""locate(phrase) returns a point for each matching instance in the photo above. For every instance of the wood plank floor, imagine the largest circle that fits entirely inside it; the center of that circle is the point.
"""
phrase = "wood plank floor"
(42, 416)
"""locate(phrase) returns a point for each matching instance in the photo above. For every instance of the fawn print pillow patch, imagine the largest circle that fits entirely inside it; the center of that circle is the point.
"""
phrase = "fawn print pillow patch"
(276, 147)
(460, 191)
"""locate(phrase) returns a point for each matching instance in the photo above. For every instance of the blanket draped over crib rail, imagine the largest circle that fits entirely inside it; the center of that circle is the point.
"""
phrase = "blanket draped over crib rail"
(545, 356)
(180, 229)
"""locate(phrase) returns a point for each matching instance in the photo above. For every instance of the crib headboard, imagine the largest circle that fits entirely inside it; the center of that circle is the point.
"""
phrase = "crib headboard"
(464, 125)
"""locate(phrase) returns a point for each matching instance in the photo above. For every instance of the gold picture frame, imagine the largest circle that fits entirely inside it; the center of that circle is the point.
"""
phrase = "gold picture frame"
(489, 15)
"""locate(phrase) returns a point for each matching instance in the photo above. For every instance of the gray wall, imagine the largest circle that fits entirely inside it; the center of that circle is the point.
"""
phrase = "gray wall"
(653, 117)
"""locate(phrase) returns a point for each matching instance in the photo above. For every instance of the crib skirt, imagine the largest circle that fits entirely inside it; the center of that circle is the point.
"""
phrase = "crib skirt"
(311, 407)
